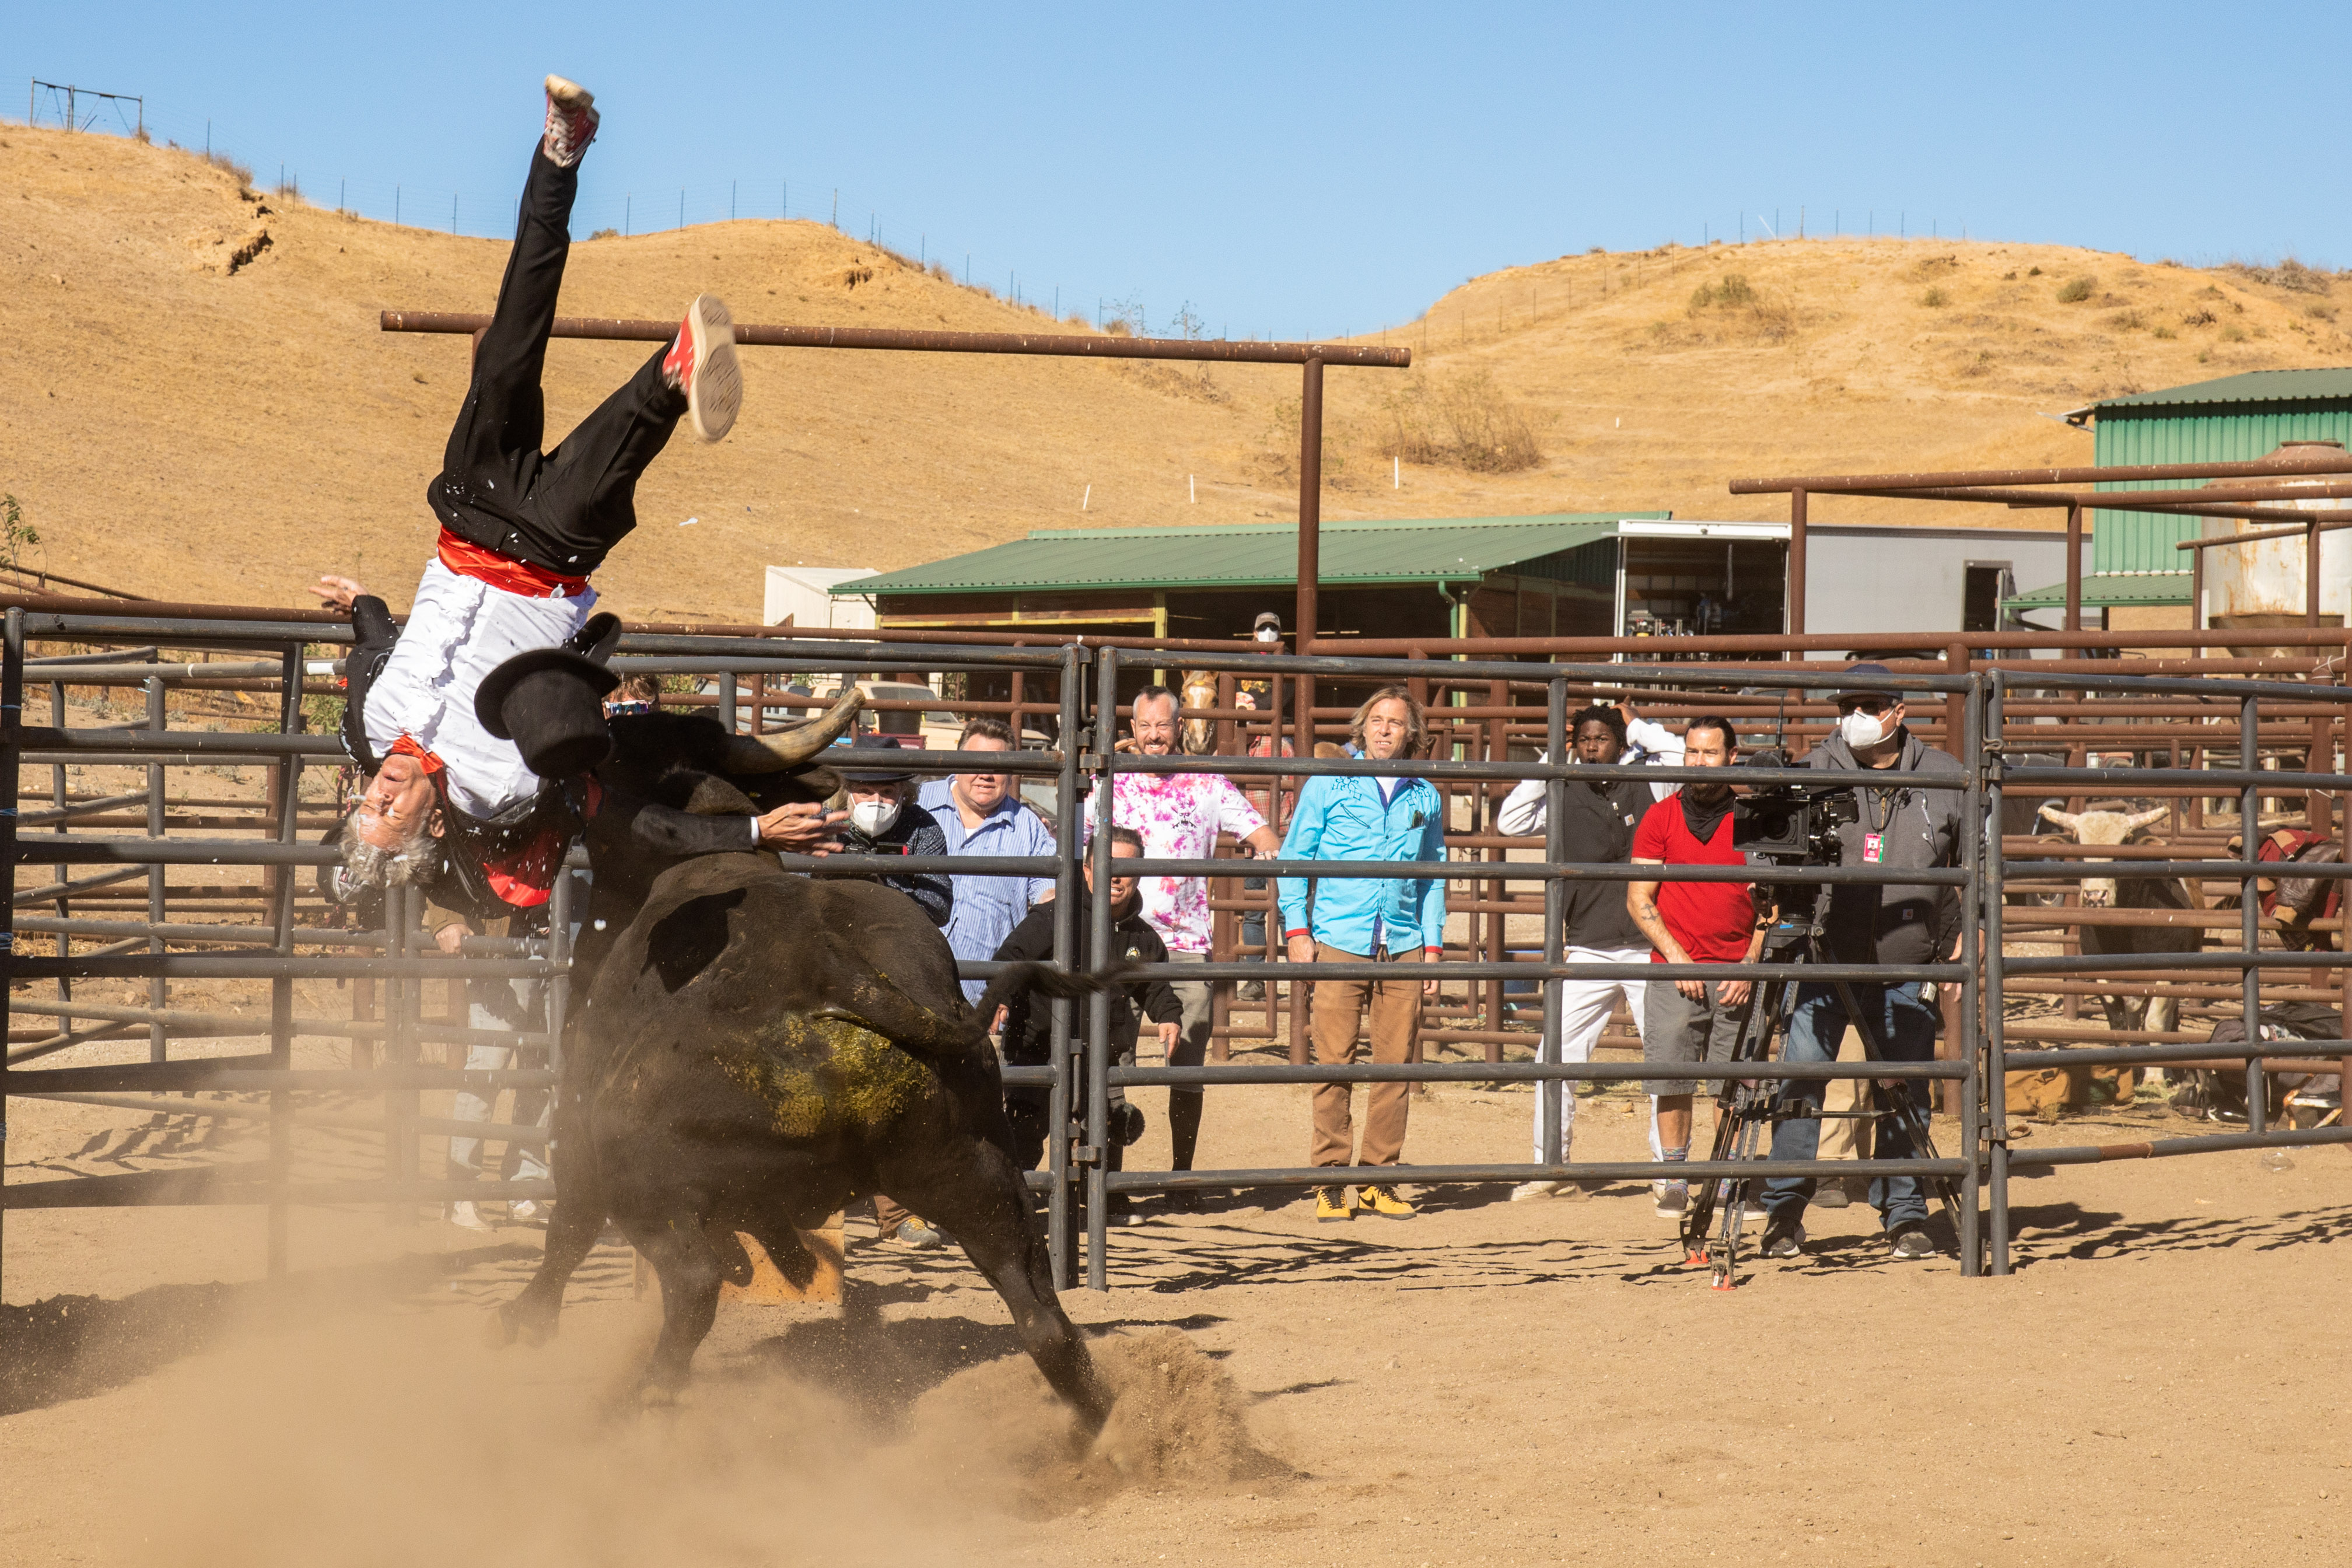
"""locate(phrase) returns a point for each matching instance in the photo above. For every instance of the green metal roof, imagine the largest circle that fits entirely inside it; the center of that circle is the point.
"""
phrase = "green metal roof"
(2109, 588)
(2253, 386)
(2234, 419)
(1426, 550)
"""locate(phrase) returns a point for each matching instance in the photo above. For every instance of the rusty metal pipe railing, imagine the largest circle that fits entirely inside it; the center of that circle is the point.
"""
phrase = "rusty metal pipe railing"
(1065, 346)
(2263, 467)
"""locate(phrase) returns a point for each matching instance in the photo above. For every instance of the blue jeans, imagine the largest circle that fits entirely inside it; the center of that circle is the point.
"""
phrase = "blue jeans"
(1905, 1027)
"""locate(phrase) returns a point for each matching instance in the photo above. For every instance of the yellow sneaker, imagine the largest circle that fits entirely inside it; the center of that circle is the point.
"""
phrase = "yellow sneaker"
(1331, 1202)
(1383, 1202)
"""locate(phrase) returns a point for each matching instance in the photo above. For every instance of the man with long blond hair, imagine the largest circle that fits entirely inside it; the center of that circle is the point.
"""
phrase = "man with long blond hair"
(1391, 817)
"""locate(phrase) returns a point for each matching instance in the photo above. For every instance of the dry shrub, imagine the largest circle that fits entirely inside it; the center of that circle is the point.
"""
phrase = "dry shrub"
(1980, 366)
(604, 234)
(1934, 299)
(1731, 292)
(1934, 267)
(2128, 321)
(1463, 422)
(2033, 272)
(2290, 274)
(2161, 330)
(2074, 290)
(851, 277)
(1736, 297)
(2196, 318)
(240, 171)
(942, 271)
(1117, 327)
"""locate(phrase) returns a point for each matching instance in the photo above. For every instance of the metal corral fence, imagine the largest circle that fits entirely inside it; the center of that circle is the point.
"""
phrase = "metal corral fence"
(2036, 729)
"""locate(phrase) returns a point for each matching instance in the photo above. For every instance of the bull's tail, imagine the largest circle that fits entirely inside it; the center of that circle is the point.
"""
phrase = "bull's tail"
(1016, 979)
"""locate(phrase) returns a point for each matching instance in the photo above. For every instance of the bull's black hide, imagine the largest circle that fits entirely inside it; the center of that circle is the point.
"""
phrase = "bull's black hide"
(757, 1049)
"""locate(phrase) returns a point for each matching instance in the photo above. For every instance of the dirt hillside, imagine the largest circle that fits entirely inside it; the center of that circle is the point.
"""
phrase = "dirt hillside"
(201, 407)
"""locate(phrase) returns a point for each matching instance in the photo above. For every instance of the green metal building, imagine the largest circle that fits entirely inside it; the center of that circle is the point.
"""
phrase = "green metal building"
(2232, 419)
(1557, 574)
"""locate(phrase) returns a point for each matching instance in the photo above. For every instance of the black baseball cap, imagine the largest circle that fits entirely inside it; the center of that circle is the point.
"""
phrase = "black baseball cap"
(1868, 668)
(875, 768)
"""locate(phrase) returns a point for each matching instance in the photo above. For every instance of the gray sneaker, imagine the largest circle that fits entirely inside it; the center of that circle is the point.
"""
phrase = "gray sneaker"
(1673, 1198)
(1783, 1240)
(1909, 1241)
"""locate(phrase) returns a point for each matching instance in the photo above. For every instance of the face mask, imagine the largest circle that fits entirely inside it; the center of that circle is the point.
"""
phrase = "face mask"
(873, 818)
(1863, 730)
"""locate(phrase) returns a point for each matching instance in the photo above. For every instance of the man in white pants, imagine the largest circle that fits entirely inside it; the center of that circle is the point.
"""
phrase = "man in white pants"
(1597, 829)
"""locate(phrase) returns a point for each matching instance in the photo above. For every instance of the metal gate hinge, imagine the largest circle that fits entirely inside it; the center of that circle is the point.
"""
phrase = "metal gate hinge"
(1087, 1155)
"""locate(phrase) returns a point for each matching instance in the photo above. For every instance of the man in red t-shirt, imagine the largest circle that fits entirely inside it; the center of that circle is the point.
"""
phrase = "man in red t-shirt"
(1691, 922)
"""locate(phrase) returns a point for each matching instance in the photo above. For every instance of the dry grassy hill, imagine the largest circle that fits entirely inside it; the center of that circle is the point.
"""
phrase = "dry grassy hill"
(199, 404)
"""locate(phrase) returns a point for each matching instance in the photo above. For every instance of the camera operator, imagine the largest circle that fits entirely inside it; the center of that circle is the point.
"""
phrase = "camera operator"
(1899, 825)
(1692, 922)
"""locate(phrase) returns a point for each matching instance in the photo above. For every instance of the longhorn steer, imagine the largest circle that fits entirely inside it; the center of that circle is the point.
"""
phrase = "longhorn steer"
(2127, 892)
(756, 1048)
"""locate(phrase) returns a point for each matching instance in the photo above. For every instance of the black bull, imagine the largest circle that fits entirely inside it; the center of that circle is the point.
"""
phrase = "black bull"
(755, 1050)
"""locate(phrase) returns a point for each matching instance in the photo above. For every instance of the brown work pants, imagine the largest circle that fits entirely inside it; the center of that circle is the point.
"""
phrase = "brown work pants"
(1396, 1025)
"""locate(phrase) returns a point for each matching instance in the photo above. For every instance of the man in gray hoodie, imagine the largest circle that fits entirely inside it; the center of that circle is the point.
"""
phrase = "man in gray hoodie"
(1901, 825)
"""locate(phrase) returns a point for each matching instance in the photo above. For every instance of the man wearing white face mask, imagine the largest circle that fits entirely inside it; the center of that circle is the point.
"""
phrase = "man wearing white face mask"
(1901, 825)
(880, 822)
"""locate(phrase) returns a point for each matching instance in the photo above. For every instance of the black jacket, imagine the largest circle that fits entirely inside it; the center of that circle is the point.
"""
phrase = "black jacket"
(1029, 1030)
(1596, 828)
(1917, 828)
(372, 634)
(916, 832)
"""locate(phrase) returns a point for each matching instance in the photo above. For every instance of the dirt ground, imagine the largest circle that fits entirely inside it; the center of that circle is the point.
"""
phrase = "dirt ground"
(2161, 1381)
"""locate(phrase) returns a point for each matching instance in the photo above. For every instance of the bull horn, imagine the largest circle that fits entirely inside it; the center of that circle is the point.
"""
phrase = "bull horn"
(2065, 819)
(2149, 818)
(781, 752)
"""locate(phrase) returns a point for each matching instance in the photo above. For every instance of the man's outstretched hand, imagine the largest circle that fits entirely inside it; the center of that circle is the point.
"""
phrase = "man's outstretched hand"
(802, 829)
(337, 593)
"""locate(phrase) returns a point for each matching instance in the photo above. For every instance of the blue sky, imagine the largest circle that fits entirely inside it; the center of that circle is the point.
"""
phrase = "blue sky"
(1289, 170)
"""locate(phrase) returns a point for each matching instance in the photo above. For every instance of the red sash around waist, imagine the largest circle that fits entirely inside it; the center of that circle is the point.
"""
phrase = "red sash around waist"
(470, 559)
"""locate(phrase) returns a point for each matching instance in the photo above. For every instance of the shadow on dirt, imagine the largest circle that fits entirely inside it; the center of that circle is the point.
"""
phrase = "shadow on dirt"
(70, 1347)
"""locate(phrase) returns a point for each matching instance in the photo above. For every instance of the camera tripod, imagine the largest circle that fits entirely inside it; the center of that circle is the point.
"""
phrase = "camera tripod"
(1745, 1107)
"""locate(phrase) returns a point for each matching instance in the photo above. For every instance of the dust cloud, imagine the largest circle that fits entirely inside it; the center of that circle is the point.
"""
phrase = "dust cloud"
(376, 1437)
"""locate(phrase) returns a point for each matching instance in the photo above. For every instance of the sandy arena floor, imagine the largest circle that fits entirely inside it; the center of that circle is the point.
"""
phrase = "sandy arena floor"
(2162, 1380)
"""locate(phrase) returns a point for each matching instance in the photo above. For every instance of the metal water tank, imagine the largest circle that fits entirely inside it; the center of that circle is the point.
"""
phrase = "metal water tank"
(2262, 584)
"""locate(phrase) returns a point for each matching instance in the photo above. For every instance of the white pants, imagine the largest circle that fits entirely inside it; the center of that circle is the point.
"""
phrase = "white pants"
(1585, 1007)
(532, 1106)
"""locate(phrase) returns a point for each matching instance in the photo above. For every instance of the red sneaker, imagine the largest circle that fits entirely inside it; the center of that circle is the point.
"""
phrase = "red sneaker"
(571, 119)
(701, 363)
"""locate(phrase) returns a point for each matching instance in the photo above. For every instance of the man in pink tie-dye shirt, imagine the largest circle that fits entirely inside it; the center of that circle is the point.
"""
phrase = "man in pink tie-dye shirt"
(1179, 815)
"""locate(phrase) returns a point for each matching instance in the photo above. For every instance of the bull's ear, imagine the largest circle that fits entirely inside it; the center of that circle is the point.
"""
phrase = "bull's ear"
(2149, 818)
(2068, 820)
(714, 796)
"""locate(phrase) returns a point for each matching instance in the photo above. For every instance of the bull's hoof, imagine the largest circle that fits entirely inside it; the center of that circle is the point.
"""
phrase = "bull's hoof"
(518, 1319)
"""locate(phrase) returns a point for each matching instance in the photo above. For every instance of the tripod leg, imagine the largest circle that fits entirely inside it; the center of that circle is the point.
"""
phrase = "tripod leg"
(1730, 1113)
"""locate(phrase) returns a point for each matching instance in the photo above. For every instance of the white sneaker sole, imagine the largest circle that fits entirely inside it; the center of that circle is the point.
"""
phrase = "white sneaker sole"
(714, 394)
(1528, 1191)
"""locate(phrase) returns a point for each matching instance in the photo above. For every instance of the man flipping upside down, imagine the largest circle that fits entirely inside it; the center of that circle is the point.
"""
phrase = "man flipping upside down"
(522, 530)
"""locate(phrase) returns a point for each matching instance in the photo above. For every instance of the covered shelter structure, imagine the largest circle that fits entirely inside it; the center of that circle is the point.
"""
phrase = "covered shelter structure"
(1551, 574)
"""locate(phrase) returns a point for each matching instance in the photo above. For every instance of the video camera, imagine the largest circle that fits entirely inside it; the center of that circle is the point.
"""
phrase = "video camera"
(1788, 825)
